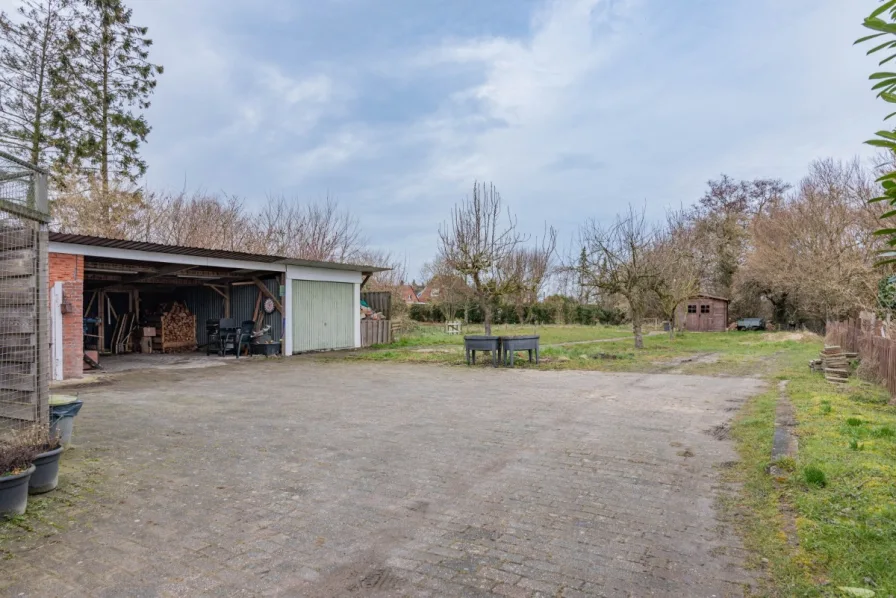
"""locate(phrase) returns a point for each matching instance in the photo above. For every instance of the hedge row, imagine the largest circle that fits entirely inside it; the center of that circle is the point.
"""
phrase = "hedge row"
(543, 313)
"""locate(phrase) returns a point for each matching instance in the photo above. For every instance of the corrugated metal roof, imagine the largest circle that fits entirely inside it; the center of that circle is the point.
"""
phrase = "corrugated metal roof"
(92, 241)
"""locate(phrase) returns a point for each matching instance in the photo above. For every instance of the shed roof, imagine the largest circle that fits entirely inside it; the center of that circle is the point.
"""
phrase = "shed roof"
(91, 241)
(706, 296)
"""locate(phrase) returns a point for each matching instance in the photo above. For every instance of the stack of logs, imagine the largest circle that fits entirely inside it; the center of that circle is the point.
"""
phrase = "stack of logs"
(175, 330)
(834, 362)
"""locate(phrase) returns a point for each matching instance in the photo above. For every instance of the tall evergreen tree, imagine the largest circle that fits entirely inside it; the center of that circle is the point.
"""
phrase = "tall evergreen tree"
(109, 80)
(31, 46)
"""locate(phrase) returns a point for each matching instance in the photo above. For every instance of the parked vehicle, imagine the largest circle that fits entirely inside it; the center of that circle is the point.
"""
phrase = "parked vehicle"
(751, 324)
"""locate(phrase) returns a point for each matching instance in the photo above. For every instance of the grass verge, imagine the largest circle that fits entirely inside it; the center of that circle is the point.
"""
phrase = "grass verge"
(838, 495)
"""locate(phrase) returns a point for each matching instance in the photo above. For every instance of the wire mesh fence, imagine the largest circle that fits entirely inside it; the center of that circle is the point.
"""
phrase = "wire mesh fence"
(24, 327)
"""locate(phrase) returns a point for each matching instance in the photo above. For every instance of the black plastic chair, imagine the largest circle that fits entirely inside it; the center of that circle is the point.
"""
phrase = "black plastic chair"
(245, 336)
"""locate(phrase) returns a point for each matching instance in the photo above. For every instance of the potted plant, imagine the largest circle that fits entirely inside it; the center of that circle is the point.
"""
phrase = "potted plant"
(48, 448)
(15, 473)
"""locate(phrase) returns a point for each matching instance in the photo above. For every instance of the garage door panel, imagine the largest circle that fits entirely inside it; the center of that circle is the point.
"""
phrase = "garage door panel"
(323, 315)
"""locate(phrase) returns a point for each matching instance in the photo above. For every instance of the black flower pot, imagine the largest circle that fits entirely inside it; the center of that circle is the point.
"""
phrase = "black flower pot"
(46, 472)
(14, 493)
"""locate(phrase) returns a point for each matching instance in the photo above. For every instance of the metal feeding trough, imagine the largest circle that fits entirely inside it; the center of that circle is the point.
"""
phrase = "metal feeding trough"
(512, 344)
(502, 348)
(473, 343)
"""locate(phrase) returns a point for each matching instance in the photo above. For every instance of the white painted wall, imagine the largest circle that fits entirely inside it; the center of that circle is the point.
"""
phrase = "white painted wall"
(164, 258)
(322, 275)
(287, 317)
(357, 315)
(56, 342)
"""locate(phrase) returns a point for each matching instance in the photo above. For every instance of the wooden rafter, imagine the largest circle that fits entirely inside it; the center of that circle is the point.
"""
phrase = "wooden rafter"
(269, 294)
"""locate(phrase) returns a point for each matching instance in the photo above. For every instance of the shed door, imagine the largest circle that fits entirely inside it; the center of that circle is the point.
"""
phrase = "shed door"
(705, 317)
(692, 319)
(323, 315)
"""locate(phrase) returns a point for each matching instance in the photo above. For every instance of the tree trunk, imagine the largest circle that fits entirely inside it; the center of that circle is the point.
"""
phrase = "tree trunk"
(104, 150)
(37, 132)
(636, 329)
(672, 326)
(487, 317)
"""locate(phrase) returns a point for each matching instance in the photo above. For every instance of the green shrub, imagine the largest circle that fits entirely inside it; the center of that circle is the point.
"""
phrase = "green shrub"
(884, 432)
(854, 421)
(855, 445)
(815, 477)
(825, 407)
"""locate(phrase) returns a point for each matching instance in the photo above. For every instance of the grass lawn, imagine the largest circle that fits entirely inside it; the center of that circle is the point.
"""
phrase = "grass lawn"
(741, 353)
(808, 536)
(845, 518)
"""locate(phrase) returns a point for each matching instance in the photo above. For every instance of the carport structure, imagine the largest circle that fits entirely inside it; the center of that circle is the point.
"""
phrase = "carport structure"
(93, 281)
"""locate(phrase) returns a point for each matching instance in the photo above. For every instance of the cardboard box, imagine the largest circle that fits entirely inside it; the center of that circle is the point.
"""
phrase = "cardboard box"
(146, 344)
(149, 331)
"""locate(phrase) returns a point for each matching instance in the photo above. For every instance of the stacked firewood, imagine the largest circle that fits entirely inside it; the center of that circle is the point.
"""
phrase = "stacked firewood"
(175, 330)
(834, 362)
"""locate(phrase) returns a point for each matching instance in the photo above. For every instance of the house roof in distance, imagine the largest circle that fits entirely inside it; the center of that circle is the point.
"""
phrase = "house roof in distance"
(91, 241)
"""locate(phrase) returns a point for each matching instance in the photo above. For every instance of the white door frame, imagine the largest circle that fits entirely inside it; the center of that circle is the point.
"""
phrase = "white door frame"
(56, 340)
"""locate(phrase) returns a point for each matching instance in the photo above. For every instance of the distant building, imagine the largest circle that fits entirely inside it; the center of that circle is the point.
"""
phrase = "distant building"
(408, 294)
(429, 293)
(703, 313)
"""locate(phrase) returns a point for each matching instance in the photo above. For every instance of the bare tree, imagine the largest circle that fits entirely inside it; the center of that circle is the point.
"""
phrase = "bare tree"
(450, 290)
(477, 242)
(618, 262)
(530, 268)
(81, 205)
(313, 231)
(678, 269)
(813, 254)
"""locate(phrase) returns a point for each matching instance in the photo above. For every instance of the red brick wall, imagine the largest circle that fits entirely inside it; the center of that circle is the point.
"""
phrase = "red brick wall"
(69, 270)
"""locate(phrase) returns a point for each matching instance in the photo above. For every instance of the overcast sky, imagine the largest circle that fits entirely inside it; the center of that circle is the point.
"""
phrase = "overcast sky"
(572, 107)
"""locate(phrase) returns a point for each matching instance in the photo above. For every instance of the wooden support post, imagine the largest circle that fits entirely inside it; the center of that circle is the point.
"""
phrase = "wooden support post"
(225, 294)
(255, 313)
(269, 294)
(90, 304)
(112, 312)
(101, 327)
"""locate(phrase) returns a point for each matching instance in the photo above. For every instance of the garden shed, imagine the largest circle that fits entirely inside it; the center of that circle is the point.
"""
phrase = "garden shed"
(703, 313)
(112, 296)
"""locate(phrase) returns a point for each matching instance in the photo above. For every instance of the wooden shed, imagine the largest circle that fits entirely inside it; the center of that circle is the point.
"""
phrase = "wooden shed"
(703, 313)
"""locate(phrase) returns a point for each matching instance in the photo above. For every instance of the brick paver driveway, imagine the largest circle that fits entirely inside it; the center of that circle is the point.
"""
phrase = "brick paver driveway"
(302, 478)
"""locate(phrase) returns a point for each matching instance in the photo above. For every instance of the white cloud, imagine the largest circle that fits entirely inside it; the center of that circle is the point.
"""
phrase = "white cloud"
(597, 103)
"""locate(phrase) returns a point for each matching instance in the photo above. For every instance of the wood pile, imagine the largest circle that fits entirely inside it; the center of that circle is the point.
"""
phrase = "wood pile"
(175, 329)
(834, 362)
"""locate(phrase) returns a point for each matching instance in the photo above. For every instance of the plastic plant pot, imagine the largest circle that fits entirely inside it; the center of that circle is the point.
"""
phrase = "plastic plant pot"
(62, 420)
(46, 472)
(14, 493)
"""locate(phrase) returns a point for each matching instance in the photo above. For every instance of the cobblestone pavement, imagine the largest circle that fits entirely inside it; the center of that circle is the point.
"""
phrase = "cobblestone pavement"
(302, 478)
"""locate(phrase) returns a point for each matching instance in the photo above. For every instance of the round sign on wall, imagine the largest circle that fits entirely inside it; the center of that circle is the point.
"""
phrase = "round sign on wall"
(268, 306)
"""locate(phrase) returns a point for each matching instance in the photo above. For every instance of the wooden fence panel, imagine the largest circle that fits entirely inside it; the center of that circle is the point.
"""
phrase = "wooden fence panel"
(379, 301)
(375, 332)
(873, 344)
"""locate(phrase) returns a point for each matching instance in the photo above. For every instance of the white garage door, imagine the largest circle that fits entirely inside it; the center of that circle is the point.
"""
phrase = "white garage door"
(323, 315)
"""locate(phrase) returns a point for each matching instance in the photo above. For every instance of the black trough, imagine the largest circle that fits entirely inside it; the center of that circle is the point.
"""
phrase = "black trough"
(475, 343)
(512, 344)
